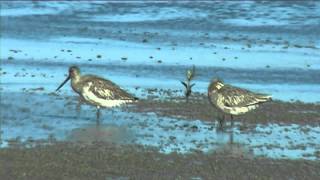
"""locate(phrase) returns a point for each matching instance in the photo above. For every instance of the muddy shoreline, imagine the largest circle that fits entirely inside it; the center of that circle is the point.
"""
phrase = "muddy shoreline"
(108, 161)
(199, 108)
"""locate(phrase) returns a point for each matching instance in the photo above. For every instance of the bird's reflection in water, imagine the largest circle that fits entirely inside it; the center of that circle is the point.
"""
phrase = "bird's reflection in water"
(108, 133)
(231, 147)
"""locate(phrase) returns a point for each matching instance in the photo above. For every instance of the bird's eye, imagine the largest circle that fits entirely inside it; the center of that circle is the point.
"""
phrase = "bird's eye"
(71, 71)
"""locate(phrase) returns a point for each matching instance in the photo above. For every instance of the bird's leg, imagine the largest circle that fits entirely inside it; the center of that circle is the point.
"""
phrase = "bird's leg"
(231, 136)
(78, 108)
(231, 121)
(221, 121)
(231, 133)
(98, 115)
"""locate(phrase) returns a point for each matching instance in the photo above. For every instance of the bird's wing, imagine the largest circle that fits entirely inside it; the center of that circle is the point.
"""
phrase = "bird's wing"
(238, 97)
(106, 89)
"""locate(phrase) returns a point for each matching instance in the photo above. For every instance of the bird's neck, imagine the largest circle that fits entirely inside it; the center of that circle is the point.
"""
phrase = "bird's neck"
(76, 78)
(74, 81)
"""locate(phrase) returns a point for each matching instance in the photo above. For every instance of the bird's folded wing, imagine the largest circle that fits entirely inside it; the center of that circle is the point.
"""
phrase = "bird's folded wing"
(106, 89)
(238, 97)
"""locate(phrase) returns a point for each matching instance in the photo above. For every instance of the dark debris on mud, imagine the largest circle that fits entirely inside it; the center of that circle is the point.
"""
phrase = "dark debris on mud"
(200, 108)
(109, 161)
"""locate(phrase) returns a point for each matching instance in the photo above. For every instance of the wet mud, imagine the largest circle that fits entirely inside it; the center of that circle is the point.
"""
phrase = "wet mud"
(107, 161)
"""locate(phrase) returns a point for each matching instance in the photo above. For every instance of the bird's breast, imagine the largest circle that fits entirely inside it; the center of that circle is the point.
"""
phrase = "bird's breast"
(76, 87)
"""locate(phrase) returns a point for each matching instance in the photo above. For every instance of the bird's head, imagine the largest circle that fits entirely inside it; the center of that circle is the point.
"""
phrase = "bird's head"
(215, 85)
(74, 73)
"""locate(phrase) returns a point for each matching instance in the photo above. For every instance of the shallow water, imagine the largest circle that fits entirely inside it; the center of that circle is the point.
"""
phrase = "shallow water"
(166, 25)
(39, 117)
(287, 85)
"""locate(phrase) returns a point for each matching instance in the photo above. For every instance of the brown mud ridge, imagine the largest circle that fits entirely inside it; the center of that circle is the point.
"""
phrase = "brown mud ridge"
(109, 161)
(199, 108)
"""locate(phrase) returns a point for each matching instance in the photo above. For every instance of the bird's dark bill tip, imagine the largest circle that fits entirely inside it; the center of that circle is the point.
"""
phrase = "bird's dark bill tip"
(64, 82)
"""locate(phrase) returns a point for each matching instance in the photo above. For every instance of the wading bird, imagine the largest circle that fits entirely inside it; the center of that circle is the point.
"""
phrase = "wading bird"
(233, 100)
(97, 91)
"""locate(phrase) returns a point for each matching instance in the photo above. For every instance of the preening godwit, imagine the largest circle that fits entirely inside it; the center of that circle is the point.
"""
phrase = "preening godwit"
(97, 91)
(234, 100)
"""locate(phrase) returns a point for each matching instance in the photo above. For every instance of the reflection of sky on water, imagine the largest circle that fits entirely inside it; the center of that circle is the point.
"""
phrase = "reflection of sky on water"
(55, 59)
(112, 51)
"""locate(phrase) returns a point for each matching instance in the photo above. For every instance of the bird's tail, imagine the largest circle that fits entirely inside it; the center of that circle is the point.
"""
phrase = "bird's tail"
(264, 98)
(135, 99)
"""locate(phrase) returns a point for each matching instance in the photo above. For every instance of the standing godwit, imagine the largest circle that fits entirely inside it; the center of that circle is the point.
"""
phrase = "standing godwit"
(233, 100)
(97, 91)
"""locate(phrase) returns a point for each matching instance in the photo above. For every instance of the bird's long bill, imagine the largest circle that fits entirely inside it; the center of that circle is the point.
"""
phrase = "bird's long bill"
(65, 81)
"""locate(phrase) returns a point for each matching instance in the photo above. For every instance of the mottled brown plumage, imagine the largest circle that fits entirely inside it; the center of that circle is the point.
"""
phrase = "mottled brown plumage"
(234, 100)
(101, 88)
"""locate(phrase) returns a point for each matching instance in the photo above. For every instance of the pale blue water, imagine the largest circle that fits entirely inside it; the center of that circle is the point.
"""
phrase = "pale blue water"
(266, 47)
